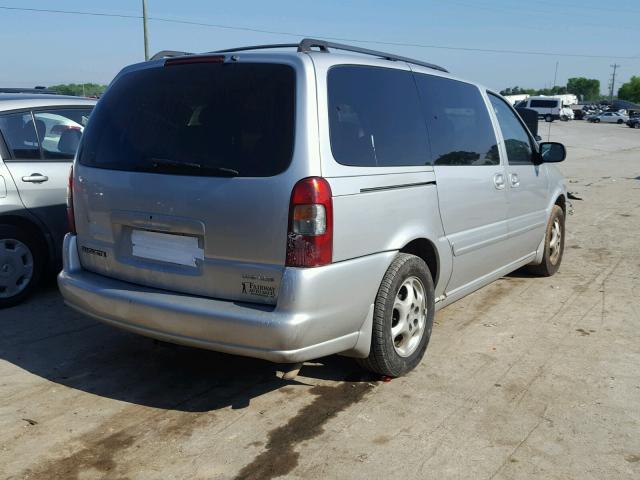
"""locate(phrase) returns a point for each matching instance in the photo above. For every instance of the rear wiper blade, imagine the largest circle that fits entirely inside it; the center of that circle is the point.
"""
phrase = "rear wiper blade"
(162, 164)
(230, 172)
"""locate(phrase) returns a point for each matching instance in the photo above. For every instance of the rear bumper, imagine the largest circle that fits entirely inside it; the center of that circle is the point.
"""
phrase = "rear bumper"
(320, 311)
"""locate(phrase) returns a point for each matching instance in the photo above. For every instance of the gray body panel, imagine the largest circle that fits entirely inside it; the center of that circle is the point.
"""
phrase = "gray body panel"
(478, 230)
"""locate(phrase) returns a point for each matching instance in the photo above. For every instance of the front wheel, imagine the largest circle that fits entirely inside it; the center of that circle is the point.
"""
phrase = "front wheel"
(620, 122)
(402, 318)
(553, 245)
(596, 120)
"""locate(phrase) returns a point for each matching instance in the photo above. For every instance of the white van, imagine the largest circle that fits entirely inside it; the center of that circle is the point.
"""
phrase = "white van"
(549, 108)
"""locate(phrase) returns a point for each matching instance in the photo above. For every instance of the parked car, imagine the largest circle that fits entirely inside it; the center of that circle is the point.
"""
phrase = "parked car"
(39, 134)
(608, 117)
(634, 122)
(292, 205)
(579, 114)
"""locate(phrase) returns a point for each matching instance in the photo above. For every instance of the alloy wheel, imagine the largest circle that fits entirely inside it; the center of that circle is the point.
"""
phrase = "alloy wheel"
(409, 316)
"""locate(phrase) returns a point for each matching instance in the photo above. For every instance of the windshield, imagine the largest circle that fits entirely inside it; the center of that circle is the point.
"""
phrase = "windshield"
(195, 119)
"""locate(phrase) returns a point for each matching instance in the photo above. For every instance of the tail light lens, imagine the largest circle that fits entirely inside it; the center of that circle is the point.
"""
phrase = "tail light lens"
(310, 235)
(71, 221)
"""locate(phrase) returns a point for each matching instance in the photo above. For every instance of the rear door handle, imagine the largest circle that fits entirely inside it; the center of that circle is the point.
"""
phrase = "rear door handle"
(515, 181)
(35, 178)
(498, 181)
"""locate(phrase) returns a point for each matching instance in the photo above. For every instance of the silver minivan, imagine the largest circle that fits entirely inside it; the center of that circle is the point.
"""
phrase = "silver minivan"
(289, 205)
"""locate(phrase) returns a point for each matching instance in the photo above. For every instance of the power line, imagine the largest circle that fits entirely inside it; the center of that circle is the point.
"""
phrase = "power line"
(301, 35)
(511, 10)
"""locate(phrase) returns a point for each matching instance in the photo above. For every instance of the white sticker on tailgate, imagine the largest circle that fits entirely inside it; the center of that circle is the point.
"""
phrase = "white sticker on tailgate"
(179, 249)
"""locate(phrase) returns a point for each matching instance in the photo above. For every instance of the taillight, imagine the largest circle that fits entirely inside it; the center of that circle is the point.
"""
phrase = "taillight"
(310, 235)
(71, 221)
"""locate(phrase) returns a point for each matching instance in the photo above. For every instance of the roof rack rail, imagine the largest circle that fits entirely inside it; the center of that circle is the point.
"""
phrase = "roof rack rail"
(258, 47)
(169, 54)
(306, 45)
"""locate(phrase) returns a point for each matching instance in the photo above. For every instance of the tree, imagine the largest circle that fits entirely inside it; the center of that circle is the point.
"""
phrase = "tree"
(630, 91)
(79, 89)
(584, 88)
(518, 91)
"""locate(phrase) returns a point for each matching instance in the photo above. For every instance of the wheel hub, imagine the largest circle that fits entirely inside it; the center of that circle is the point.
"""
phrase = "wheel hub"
(555, 242)
(16, 267)
(6, 270)
(409, 316)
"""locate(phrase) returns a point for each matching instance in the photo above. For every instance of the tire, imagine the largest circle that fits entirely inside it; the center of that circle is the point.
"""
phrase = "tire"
(21, 265)
(596, 120)
(564, 118)
(397, 355)
(620, 122)
(548, 118)
(637, 125)
(552, 257)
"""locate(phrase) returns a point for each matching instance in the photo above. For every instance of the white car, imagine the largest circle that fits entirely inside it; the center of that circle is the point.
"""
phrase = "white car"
(609, 117)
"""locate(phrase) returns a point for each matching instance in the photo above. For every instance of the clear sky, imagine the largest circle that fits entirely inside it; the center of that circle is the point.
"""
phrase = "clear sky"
(46, 48)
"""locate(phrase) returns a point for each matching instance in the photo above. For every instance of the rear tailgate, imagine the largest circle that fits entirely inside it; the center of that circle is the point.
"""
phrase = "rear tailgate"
(183, 179)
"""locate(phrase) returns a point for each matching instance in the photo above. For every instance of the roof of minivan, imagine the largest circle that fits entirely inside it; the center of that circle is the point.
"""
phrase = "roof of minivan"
(337, 57)
(12, 101)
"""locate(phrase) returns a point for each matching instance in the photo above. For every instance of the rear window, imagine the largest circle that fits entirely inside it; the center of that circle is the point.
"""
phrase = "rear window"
(195, 119)
(544, 103)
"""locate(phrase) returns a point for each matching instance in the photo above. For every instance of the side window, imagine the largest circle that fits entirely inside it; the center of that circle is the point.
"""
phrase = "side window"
(460, 129)
(516, 138)
(59, 131)
(375, 118)
(20, 135)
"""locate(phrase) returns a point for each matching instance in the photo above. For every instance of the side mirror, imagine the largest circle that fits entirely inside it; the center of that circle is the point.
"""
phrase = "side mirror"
(552, 152)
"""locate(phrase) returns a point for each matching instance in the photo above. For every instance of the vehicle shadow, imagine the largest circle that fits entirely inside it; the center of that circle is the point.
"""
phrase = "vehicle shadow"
(48, 339)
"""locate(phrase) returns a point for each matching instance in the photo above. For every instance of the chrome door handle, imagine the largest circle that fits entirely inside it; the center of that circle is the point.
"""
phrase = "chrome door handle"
(35, 178)
(498, 181)
(515, 182)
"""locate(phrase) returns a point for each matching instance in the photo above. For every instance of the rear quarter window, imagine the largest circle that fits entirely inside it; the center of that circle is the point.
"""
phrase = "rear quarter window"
(375, 118)
(195, 118)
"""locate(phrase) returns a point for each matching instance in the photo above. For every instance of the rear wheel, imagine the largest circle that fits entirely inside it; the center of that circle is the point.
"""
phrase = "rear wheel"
(21, 265)
(402, 318)
(596, 120)
(548, 118)
(553, 245)
(620, 122)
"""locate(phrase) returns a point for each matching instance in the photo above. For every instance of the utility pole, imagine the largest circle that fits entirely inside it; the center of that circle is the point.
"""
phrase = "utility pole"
(555, 76)
(613, 80)
(144, 26)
